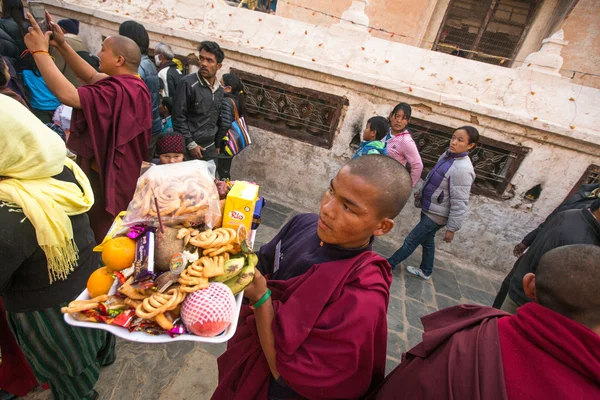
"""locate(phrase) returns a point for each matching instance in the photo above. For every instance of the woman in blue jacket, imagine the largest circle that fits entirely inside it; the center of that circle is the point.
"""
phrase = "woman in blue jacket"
(444, 200)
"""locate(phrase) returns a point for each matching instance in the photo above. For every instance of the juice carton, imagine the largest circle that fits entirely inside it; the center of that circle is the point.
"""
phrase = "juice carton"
(239, 205)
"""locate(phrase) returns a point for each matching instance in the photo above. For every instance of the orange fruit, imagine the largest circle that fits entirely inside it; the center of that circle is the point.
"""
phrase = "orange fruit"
(119, 253)
(100, 282)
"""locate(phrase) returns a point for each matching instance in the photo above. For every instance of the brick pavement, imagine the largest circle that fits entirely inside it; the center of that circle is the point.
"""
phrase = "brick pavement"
(188, 370)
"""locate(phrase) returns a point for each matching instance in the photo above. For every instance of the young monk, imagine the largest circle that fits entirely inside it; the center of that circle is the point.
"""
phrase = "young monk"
(316, 325)
(549, 350)
(111, 124)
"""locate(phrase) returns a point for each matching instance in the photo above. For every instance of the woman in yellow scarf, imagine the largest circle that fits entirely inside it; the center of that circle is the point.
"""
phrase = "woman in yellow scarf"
(46, 251)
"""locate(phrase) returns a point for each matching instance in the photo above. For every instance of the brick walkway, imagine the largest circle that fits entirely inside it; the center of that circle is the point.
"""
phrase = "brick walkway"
(188, 370)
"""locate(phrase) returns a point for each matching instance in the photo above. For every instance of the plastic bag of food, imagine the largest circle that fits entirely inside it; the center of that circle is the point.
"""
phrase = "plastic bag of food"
(184, 193)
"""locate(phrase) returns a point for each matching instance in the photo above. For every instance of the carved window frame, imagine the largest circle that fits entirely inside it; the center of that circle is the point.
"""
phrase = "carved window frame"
(591, 175)
(495, 162)
(292, 113)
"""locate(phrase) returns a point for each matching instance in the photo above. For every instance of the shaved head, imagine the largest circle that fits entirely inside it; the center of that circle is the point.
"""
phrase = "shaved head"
(122, 46)
(567, 281)
(390, 178)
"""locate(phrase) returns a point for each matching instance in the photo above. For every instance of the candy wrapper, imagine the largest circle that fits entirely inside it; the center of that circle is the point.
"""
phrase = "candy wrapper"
(175, 194)
(144, 260)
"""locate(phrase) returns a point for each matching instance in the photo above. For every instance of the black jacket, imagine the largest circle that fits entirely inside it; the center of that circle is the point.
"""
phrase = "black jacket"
(567, 227)
(196, 110)
(149, 75)
(24, 283)
(8, 47)
(12, 29)
(169, 78)
(225, 119)
(580, 200)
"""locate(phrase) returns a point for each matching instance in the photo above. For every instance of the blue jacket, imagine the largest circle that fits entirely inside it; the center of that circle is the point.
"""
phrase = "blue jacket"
(149, 75)
(371, 147)
(447, 188)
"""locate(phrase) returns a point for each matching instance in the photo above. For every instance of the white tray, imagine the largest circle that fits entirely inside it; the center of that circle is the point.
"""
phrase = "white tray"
(143, 337)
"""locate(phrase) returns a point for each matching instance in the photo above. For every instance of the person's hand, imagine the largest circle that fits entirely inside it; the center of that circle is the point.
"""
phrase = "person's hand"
(58, 36)
(196, 152)
(257, 288)
(519, 250)
(417, 195)
(36, 40)
(449, 237)
(218, 151)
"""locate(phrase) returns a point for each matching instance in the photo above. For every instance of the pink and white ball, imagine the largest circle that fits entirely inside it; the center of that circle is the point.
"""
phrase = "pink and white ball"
(209, 311)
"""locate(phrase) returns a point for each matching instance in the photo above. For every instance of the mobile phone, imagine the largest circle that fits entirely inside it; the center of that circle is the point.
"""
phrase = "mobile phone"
(38, 11)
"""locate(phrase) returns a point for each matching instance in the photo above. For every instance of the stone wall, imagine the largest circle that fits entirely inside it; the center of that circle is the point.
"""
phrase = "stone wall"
(550, 115)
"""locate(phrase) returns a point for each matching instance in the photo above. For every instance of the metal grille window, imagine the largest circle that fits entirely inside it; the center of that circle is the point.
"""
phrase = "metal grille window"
(590, 176)
(303, 114)
(485, 30)
(495, 162)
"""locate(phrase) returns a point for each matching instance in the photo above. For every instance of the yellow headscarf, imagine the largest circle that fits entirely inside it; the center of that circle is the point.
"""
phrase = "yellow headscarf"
(30, 155)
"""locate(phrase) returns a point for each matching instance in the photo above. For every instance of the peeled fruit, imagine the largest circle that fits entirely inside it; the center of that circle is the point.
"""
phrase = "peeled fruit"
(208, 312)
(119, 253)
(100, 282)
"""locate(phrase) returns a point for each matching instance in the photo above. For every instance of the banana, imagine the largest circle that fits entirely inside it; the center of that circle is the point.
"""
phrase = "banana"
(244, 278)
(232, 268)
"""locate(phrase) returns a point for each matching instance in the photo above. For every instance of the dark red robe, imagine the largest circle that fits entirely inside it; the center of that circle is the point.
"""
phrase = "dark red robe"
(16, 376)
(459, 358)
(330, 332)
(549, 356)
(111, 135)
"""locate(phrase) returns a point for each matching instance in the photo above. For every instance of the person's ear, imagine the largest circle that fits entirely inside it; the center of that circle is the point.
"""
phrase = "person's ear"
(471, 146)
(529, 286)
(120, 61)
(219, 65)
(384, 227)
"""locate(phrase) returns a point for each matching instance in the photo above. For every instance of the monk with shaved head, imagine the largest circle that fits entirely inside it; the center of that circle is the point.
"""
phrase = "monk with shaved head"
(550, 349)
(316, 324)
(112, 117)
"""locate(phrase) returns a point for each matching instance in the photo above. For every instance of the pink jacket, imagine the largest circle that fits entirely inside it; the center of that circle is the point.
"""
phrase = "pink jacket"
(403, 149)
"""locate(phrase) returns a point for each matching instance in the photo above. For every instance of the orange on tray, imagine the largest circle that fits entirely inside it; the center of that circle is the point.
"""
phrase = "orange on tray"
(100, 282)
(119, 253)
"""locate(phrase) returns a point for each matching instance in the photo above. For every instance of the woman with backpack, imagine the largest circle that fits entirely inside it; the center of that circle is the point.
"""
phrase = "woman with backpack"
(234, 100)
(43, 103)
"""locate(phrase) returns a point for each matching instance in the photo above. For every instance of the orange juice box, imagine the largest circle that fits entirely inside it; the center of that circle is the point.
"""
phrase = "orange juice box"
(239, 205)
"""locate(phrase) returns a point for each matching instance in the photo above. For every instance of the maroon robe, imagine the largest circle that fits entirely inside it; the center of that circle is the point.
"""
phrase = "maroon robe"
(549, 356)
(459, 358)
(111, 136)
(330, 332)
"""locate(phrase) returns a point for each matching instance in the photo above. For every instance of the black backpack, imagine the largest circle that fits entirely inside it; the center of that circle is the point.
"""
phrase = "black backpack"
(90, 58)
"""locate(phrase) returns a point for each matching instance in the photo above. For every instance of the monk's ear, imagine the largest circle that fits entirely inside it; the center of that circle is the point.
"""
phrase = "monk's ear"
(529, 286)
(384, 226)
(120, 61)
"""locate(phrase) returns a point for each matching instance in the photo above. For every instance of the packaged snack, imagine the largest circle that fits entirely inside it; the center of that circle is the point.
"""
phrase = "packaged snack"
(257, 220)
(144, 258)
(239, 206)
(175, 194)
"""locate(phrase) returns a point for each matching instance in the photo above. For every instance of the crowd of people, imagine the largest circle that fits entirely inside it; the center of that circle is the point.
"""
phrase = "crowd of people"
(319, 328)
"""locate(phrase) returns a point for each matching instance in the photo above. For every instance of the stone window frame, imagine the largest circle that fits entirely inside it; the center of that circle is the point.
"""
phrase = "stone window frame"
(298, 123)
(488, 153)
(591, 175)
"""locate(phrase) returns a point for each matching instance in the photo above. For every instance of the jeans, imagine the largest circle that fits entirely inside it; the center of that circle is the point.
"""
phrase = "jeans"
(423, 234)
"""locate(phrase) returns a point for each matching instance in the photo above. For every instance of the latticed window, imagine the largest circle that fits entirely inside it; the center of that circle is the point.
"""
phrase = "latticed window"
(299, 113)
(495, 162)
(590, 176)
(485, 30)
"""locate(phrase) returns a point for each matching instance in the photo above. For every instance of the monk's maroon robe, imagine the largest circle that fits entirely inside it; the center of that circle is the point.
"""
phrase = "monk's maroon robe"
(330, 332)
(111, 135)
(549, 356)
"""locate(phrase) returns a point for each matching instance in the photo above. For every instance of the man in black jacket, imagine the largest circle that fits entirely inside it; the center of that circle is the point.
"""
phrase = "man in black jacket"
(568, 227)
(197, 104)
(168, 72)
(583, 198)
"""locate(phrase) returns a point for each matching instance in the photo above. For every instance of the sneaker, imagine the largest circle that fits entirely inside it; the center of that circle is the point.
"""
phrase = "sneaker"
(418, 272)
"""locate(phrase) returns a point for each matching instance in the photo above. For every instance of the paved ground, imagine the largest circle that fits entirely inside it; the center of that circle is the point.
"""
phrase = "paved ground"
(186, 370)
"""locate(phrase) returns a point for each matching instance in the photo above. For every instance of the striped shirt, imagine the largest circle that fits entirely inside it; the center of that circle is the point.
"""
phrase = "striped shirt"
(403, 149)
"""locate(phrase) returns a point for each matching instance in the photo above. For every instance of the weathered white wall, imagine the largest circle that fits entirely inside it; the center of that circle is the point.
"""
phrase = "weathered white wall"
(556, 119)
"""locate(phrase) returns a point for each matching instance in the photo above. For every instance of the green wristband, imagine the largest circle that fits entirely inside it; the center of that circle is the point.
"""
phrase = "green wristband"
(262, 300)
